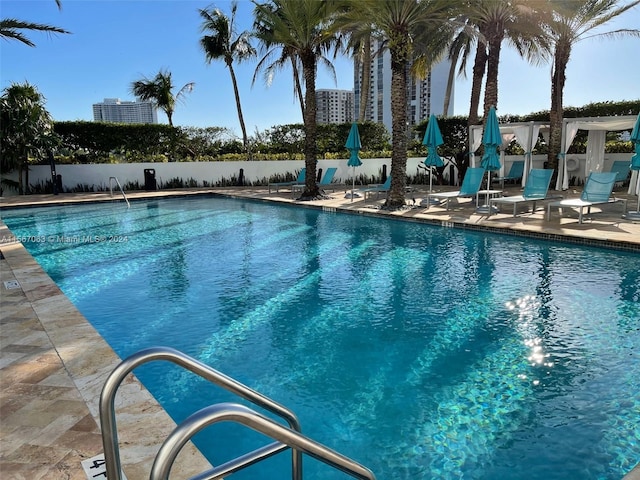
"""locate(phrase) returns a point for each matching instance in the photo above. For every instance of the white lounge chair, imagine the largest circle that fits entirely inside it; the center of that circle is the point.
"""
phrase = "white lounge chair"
(597, 191)
(324, 184)
(515, 173)
(298, 181)
(377, 189)
(469, 188)
(535, 190)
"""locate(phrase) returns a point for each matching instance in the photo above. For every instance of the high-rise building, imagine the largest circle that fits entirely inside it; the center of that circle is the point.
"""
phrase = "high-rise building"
(118, 111)
(424, 97)
(334, 106)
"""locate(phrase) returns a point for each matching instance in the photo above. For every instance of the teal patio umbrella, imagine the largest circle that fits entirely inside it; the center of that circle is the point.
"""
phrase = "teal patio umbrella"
(635, 165)
(491, 139)
(432, 140)
(354, 146)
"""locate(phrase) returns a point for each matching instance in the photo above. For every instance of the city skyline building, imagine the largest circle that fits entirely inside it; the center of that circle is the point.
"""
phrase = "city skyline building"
(334, 106)
(114, 110)
(424, 97)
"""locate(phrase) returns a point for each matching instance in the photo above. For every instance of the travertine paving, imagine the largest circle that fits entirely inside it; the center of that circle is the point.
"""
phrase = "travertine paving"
(53, 363)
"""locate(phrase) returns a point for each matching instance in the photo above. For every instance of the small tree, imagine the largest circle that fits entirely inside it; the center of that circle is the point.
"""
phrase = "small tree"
(159, 91)
(26, 131)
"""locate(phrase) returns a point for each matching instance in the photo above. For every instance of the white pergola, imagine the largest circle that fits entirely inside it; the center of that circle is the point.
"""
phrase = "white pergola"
(598, 128)
(524, 133)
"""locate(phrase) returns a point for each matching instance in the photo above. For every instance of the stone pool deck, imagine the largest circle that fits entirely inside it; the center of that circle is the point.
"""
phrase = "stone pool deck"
(53, 364)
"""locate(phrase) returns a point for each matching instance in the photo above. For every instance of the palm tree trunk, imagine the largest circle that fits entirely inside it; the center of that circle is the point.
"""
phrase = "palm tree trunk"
(245, 140)
(26, 175)
(298, 87)
(399, 58)
(493, 61)
(23, 158)
(20, 182)
(366, 77)
(479, 65)
(558, 79)
(309, 69)
(450, 78)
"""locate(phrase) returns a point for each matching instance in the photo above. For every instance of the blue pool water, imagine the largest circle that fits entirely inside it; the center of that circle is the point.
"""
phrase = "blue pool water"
(421, 352)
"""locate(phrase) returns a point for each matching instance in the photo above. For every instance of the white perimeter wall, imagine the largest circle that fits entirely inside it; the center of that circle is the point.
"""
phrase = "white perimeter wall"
(97, 175)
(211, 172)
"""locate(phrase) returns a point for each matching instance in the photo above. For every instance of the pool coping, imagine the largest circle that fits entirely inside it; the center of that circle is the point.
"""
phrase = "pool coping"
(60, 321)
(53, 366)
(607, 229)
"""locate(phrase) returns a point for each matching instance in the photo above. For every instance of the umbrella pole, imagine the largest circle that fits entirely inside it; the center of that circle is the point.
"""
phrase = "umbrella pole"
(486, 208)
(488, 187)
(430, 180)
(353, 183)
(635, 216)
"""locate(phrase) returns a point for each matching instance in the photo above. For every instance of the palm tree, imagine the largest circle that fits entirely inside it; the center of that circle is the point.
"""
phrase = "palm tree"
(365, 60)
(459, 50)
(401, 23)
(280, 56)
(286, 56)
(26, 130)
(360, 44)
(477, 75)
(519, 23)
(159, 91)
(304, 28)
(221, 42)
(572, 22)
(496, 20)
(11, 28)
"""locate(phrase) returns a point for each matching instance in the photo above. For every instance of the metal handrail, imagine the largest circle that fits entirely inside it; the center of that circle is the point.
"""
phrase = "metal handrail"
(107, 402)
(120, 187)
(254, 420)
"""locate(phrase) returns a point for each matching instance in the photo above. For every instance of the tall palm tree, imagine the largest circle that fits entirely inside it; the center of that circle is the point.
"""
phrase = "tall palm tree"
(366, 60)
(517, 22)
(11, 28)
(572, 22)
(400, 22)
(159, 91)
(221, 42)
(26, 130)
(304, 28)
(360, 44)
(460, 48)
(477, 76)
(280, 57)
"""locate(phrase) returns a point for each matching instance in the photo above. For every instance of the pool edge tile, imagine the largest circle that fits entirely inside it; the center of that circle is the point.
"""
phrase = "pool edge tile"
(60, 321)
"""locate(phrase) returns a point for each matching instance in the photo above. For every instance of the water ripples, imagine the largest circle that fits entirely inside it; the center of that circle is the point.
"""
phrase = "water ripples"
(421, 352)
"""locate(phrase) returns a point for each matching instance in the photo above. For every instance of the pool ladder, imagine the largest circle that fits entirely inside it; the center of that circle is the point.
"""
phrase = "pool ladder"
(285, 437)
(111, 180)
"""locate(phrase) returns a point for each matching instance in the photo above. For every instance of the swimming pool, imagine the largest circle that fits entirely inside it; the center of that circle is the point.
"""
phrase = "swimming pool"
(419, 351)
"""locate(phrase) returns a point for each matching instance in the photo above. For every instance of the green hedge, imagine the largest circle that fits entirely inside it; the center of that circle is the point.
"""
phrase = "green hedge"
(96, 142)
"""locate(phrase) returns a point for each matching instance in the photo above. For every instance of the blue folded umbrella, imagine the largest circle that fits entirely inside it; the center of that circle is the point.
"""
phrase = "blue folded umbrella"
(491, 140)
(433, 139)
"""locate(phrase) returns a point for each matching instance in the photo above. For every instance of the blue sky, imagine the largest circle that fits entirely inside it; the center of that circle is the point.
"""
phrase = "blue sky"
(115, 42)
